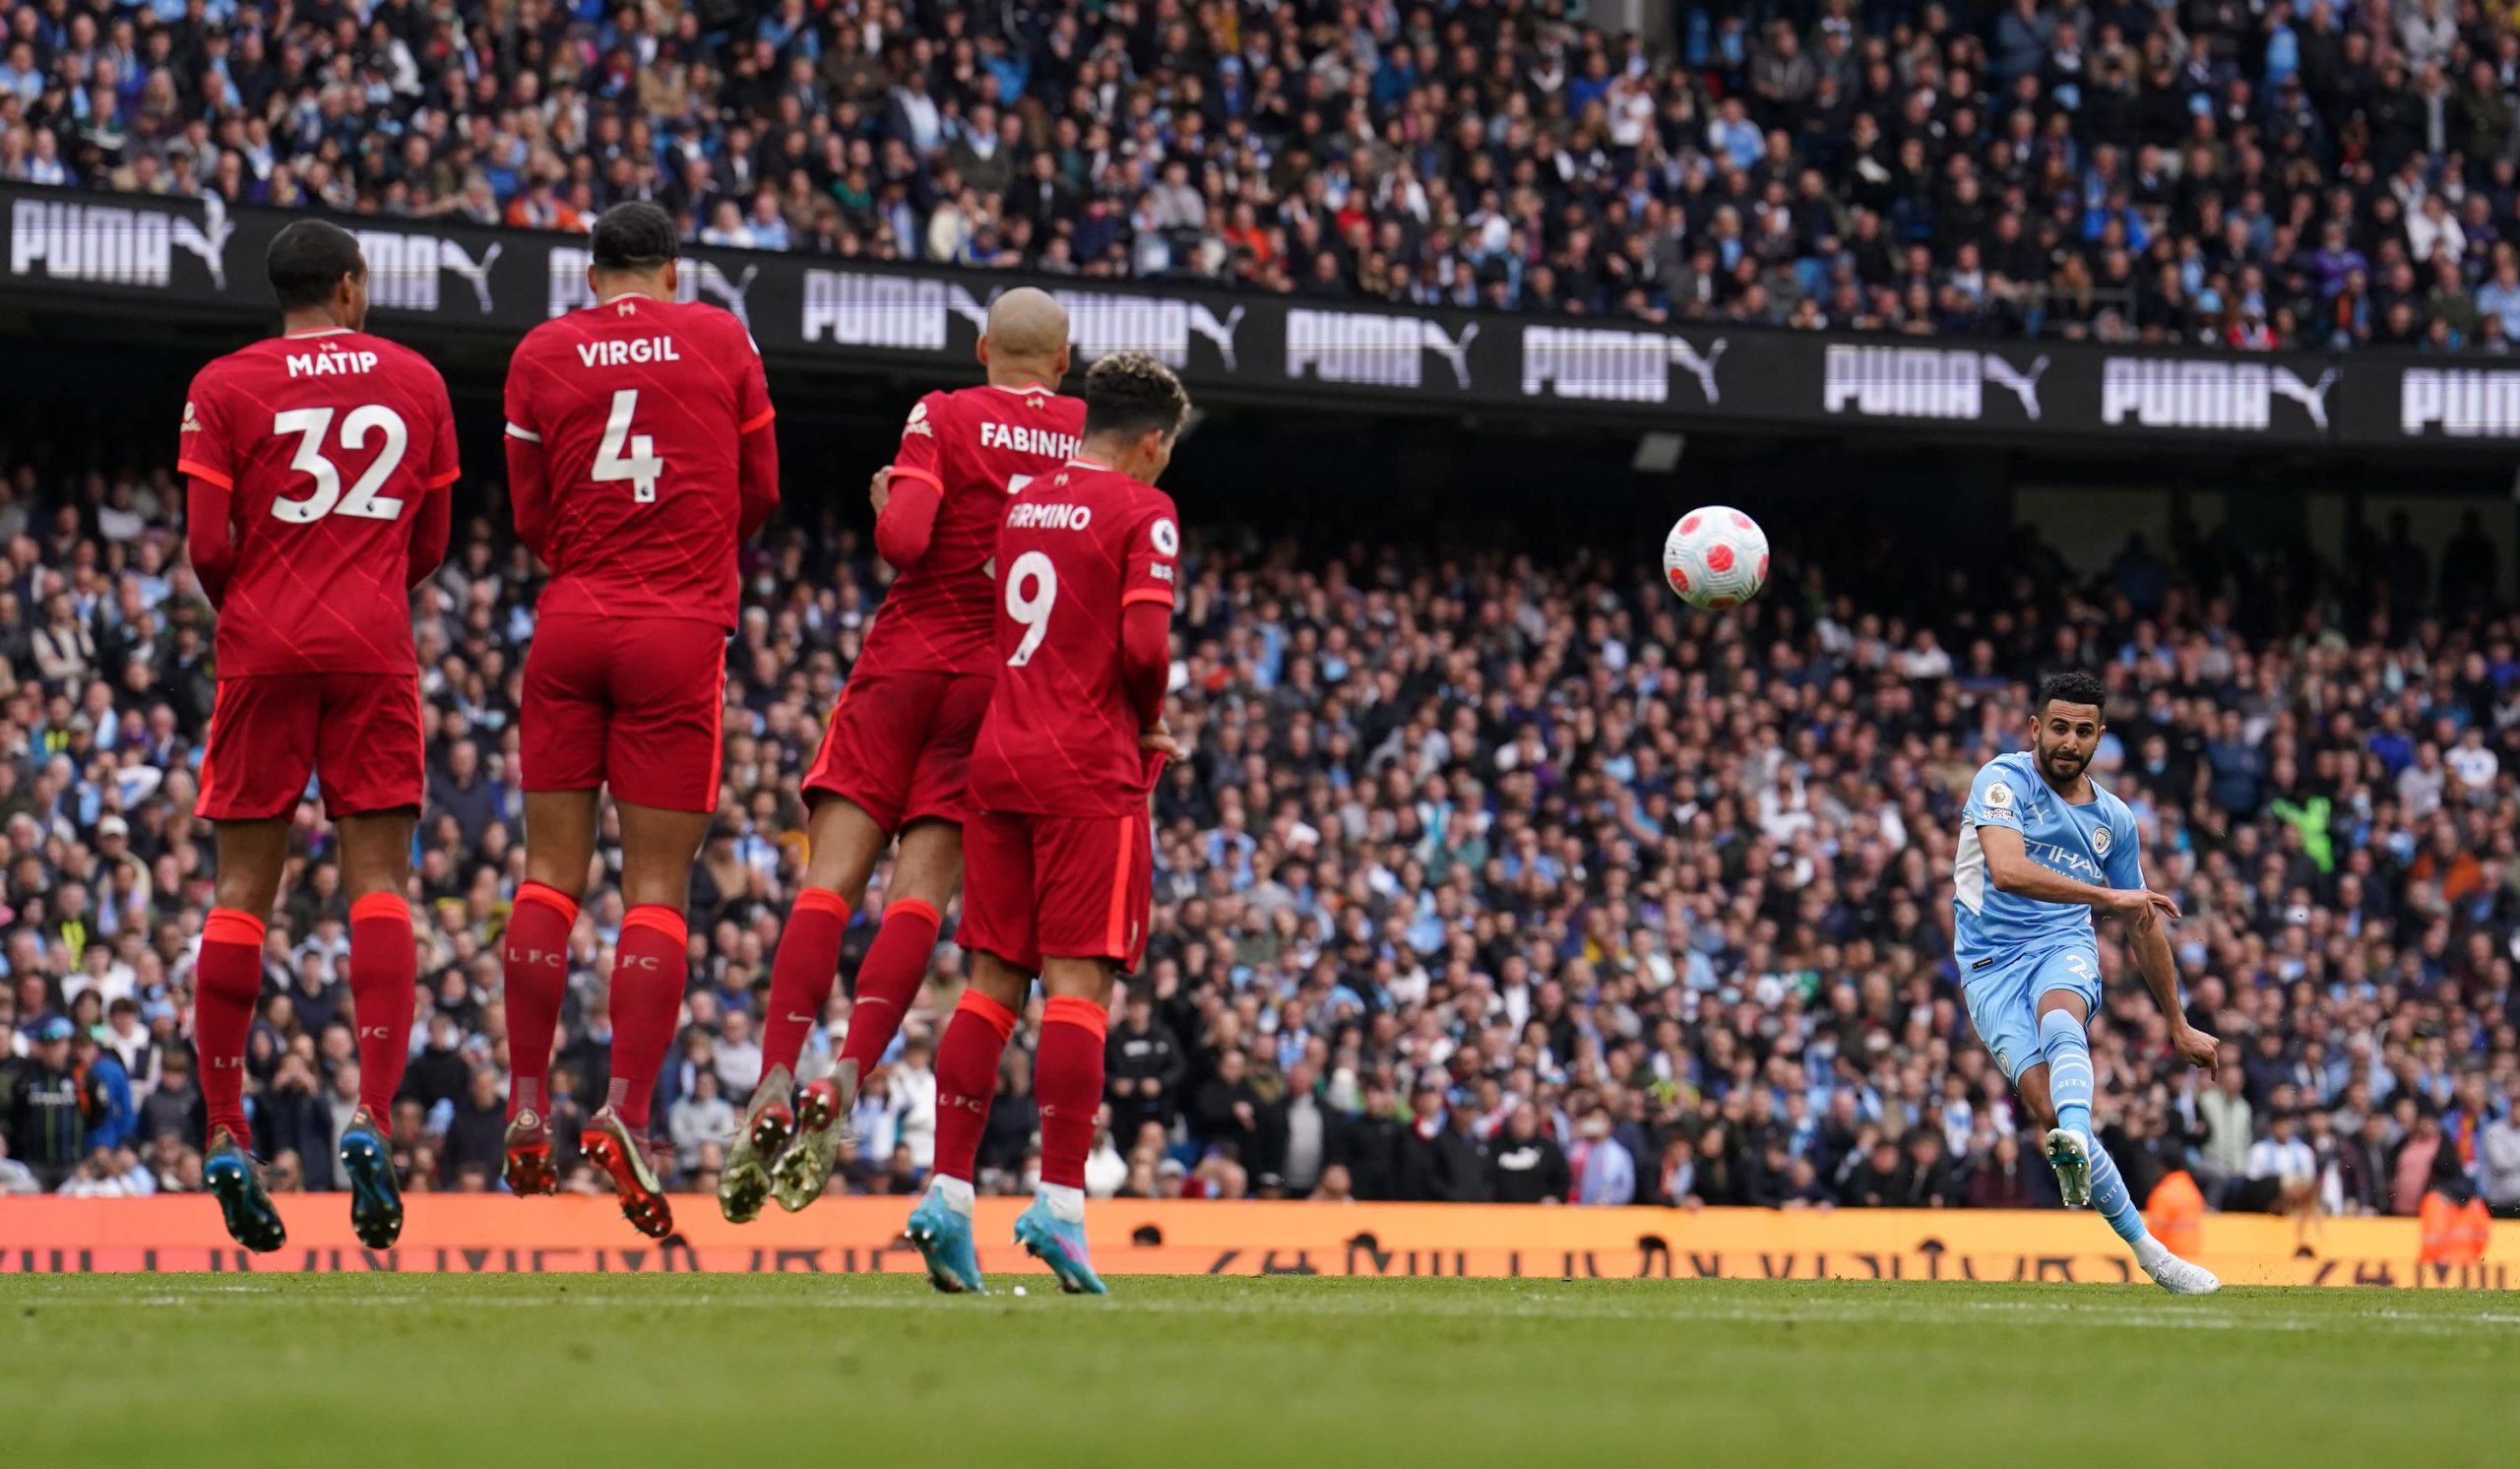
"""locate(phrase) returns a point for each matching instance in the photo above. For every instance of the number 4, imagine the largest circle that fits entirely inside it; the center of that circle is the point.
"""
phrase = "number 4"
(641, 465)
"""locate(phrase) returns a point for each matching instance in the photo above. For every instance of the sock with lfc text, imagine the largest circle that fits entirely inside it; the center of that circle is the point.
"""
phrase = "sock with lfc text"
(227, 983)
(535, 957)
(383, 968)
(1067, 1080)
(648, 968)
(967, 1082)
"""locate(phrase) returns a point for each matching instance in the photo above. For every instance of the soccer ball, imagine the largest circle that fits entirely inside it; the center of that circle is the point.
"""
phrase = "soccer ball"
(1715, 558)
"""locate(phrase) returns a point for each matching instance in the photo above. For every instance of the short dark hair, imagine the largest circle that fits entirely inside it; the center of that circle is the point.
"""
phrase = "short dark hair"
(2073, 688)
(635, 236)
(308, 259)
(1129, 393)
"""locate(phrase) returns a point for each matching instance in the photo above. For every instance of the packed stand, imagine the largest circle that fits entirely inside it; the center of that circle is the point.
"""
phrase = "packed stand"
(2275, 175)
(1499, 877)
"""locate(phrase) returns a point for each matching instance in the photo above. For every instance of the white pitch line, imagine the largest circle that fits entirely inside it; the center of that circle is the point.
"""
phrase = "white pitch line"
(2200, 1317)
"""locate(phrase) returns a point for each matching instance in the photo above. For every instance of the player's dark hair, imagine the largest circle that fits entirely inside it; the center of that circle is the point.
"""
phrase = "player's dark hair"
(308, 259)
(1128, 393)
(2075, 688)
(634, 236)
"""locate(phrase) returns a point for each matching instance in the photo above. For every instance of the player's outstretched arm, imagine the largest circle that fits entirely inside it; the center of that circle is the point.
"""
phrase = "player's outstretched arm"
(2148, 939)
(2010, 869)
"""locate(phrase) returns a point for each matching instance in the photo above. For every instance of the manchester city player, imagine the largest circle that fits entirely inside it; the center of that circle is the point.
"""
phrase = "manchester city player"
(2042, 848)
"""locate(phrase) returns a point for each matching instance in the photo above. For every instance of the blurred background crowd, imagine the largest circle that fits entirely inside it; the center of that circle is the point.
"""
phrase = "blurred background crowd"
(2277, 174)
(1490, 874)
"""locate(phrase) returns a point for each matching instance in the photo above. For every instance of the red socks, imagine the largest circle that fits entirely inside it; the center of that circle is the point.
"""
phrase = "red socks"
(383, 970)
(967, 1080)
(801, 975)
(536, 955)
(1067, 1081)
(228, 982)
(648, 968)
(895, 964)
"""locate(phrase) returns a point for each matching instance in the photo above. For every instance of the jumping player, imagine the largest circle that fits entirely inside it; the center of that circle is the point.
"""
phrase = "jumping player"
(2042, 848)
(316, 467)
(1059, 843)
(896, 753)
(640, 456)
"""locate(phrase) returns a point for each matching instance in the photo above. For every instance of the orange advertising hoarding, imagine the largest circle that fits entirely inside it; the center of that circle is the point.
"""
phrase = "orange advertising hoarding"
(484, 1233)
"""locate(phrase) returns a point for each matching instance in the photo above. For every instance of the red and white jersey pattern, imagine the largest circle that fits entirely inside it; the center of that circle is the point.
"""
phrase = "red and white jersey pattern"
(640, 408)
(327, 443)
(1075, 551)
(977, 446)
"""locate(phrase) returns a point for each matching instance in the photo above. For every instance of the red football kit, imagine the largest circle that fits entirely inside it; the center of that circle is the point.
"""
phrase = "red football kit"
(640, 457)
(1058, 854)
(318, 465)
(899, 746)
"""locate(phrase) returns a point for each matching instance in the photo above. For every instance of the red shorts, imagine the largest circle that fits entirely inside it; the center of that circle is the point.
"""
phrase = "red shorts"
(357, 734)
(899, 746)
(633, 703)
(1072, 887)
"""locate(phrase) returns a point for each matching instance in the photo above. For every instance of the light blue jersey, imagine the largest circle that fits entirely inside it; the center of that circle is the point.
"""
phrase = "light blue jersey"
(2095, 844)
(2013, 949)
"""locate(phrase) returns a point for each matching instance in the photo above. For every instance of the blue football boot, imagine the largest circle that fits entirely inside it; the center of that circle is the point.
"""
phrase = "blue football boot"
(1059, 1245)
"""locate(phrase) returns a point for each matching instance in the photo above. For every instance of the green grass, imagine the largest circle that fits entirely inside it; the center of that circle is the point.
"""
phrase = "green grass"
(464, 1371)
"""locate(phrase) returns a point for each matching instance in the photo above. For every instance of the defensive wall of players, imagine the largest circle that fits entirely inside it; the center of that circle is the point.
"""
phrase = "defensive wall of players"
(475, 1234)
(83, 251)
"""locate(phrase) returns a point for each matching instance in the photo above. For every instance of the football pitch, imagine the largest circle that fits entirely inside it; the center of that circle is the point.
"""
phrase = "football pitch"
(695, 1370)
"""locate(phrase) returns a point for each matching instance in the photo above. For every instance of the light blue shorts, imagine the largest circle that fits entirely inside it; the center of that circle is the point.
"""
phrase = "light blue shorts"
(2003, 998)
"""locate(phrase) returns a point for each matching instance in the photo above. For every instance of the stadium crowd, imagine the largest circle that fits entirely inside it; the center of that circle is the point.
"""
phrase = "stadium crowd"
(1498, 877)
(2287, 174)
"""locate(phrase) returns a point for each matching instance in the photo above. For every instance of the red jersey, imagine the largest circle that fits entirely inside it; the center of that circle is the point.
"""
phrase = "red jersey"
(977, 446)
(328, 444)
(1061, 736)
(640, 408)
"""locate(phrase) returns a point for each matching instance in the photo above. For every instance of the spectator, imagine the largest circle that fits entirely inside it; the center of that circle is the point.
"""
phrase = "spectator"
(1144, 1066)
(1525, 1166)
(52, 1106)
(700, 1120)
(1601, 1168)
(2499, 1166)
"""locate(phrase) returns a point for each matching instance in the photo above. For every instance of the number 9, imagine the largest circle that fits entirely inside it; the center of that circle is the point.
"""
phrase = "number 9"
(1030, 608)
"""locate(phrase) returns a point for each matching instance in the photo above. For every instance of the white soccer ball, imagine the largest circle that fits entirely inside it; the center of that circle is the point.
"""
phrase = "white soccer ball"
(1715, 558)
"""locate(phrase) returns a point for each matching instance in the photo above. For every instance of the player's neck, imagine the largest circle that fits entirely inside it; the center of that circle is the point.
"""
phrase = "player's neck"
(2074, 792)
(624, 287)
(1018, 377)
(307, 323)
